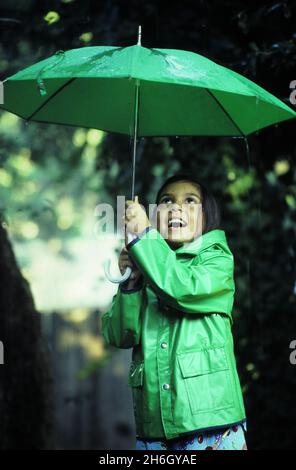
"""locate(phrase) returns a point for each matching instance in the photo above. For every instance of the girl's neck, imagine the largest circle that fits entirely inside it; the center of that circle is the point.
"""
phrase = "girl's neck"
(175, 245)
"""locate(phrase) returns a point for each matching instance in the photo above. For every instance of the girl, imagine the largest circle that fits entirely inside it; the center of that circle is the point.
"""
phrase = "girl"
(175, 312)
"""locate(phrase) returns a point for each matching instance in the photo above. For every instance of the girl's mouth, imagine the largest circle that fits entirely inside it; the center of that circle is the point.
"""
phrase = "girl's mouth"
(176, 223)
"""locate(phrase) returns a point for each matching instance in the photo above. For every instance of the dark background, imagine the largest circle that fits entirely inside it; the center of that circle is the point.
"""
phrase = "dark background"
(257, 195)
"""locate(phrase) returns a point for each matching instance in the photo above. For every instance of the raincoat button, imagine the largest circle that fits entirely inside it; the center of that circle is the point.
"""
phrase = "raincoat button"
(164, 345)
(166, 386)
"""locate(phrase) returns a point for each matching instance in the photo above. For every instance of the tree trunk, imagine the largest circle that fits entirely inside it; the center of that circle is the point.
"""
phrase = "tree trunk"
(25, 376)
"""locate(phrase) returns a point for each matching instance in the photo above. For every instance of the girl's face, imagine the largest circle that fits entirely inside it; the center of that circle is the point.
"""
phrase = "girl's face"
(180, 218)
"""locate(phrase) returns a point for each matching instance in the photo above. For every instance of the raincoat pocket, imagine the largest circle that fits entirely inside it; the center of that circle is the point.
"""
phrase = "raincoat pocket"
(136, 381)
(206, 377)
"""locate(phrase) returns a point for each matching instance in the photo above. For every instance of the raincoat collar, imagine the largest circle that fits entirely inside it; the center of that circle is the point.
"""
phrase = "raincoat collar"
(203, 241)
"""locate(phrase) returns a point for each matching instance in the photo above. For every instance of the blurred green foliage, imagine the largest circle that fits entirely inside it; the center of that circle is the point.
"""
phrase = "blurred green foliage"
(48, 185)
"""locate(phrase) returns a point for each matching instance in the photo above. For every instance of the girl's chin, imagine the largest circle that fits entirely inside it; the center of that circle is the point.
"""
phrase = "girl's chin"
(180, 238)
(177, 235)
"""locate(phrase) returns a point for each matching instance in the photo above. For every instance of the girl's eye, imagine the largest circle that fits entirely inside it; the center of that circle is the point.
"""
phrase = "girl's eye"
(166, 199)
(191, 199)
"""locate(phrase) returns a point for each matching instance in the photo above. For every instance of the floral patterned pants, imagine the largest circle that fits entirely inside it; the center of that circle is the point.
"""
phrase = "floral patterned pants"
(232, 438)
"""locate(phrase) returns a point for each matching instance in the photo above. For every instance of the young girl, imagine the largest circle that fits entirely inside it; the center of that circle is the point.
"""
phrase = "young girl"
(175, 312)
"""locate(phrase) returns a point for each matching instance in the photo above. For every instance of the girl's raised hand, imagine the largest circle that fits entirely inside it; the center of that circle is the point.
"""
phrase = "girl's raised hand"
(135, 219)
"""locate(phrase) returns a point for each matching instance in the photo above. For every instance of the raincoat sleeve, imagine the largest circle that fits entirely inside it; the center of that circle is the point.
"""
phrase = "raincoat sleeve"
(193, 288)
(121, 324)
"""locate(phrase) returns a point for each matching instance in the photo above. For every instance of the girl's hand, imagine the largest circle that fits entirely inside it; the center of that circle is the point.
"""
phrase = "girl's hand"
(125, 261)
(135, 219)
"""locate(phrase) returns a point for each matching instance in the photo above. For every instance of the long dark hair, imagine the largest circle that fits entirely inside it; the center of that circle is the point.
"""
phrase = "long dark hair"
(210, 205)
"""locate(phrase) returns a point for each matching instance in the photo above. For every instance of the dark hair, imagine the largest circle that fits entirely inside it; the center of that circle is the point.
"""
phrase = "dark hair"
(209, 203)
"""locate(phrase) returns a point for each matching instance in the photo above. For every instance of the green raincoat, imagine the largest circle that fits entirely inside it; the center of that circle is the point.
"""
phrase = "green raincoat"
(178, 321)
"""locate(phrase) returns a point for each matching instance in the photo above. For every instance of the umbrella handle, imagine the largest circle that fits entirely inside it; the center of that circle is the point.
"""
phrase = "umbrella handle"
(125, 275)
(116, 279)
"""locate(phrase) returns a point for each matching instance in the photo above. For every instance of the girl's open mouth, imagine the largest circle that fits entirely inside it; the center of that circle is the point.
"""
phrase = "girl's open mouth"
(176, 223)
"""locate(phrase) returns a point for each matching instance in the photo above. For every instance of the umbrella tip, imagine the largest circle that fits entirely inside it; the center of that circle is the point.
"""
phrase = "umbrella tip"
(139, 35)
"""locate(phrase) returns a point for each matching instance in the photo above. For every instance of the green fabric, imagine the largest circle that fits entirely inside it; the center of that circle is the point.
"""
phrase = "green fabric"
(178, 323)
(180, 93)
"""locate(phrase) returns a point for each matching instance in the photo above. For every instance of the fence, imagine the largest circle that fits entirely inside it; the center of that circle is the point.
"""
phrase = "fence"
(92, 400)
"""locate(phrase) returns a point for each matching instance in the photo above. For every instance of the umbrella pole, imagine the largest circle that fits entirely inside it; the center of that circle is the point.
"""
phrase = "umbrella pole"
(128, 271)
(136, 113)
(136, 122)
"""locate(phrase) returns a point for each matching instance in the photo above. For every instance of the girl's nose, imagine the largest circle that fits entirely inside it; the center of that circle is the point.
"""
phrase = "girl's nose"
(175, 210)
(175, 206)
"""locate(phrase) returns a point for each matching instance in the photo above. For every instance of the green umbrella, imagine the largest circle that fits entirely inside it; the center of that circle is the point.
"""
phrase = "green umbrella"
(141, 91)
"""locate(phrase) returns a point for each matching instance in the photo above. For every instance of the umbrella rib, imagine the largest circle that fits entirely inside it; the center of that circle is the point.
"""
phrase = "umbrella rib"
(52, 96)
(224, 110)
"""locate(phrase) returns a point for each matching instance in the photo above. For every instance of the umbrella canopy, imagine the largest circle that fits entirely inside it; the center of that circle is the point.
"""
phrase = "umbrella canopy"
(179, 93)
